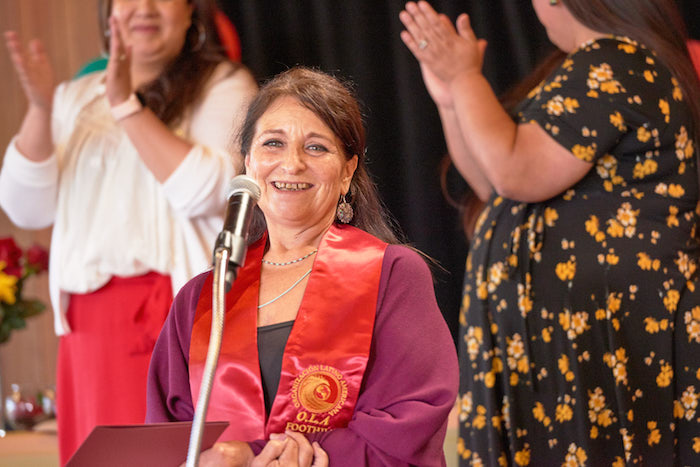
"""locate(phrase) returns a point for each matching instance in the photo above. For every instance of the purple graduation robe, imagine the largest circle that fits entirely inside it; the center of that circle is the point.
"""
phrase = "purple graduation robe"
(409, 386)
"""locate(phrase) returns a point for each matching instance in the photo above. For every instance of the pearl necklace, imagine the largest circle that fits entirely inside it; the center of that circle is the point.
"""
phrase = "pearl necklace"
(287, 263)
(288, 290)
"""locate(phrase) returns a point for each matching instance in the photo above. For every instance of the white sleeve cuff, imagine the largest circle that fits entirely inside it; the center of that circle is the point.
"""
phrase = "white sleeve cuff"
(31, 173)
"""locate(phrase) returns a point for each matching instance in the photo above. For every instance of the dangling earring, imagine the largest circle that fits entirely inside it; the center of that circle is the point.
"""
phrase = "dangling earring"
(201, 35)
(344, 211)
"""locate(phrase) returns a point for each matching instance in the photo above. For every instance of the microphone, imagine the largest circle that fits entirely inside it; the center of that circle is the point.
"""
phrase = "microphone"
(243, 194)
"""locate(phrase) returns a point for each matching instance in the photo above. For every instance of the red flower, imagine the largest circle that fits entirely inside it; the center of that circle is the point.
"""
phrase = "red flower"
(10, 254)
(38, 258)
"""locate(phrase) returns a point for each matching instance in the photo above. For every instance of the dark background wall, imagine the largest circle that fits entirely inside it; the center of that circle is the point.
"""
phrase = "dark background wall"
(359, 40)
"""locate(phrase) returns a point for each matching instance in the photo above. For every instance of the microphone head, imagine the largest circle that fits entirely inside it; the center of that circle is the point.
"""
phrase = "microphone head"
(243, 183)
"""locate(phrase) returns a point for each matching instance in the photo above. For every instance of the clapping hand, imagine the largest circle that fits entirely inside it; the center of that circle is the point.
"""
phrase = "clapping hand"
(444, 52)
(34, 71)
(118, 82)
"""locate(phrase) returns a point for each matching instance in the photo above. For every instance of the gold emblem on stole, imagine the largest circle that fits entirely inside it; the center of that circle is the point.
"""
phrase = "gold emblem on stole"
(320, 392)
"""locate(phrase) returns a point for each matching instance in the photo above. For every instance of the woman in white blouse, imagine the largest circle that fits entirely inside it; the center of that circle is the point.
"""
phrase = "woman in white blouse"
(130, 166)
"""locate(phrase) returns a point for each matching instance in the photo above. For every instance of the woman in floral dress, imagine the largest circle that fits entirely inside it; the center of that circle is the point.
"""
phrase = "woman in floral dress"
(580, 340)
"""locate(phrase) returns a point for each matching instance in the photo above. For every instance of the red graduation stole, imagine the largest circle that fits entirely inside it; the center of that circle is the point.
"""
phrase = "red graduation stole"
(326, 354)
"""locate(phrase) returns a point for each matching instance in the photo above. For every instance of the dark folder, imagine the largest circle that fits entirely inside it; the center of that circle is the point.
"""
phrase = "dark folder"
(156, 444)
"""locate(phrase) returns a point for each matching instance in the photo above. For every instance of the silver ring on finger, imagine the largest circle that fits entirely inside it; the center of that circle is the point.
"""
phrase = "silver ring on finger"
(422, 44)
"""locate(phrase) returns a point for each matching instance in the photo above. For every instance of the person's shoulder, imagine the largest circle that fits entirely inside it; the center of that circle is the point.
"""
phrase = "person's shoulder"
(87, 81)
(193, 288)
(231, 71)
(612, 49)
(405, 259)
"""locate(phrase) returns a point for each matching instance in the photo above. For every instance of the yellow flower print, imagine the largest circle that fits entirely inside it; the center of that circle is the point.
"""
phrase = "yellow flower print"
(546, 335)
(686, 265)
(465, 406)
(606, 418)
(642, 169)
(474, 338)
(611, 87)
(585, 153)
(574, 324)
(550, 216)
(596, 402)
(558, 105)
(555, 106)
(524, 300)
(665, 109)
(489, 379)
(522, 457)
(663, 379)
(689, 403)
(654, 434)
(615, 229)
(618, 363)
(618, 121)
(696, 444)
(643, 134)
(614, 302)
(692, 324)
(575, 457)
(462, 451)
(592, 226)
(497, 365)
(566, 271)
(677, 92)
(516, 359)
(8, 288)
(480, 419)
(600, 73)
(646, 263)
(627, 440)
(671, 300)
(649, 76)
(675, 190)
(540, 415)
(652, 326)
(625, 222)
(497, 273)
(564, 413)
(564, 368)
(684, 145)
(672, 219)
(628, 48)
(661, 189)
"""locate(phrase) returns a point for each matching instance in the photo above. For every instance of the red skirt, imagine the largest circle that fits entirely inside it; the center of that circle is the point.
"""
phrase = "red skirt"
(103, 362)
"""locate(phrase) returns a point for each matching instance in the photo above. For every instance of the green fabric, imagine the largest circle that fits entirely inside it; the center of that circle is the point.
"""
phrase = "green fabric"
(97, 64)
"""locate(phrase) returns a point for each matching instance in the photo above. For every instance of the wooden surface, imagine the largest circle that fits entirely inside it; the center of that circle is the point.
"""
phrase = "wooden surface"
(69, 31)
(29, 449)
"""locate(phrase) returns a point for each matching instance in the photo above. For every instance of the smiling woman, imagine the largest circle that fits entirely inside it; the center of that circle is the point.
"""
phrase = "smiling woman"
(324, 312)
(300, 166)
(159, 120)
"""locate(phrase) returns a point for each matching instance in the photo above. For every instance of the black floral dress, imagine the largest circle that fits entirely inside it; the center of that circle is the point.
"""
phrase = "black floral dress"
(580, 324)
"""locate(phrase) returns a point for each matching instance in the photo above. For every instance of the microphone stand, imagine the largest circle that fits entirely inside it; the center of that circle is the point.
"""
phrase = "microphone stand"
(221, 261)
